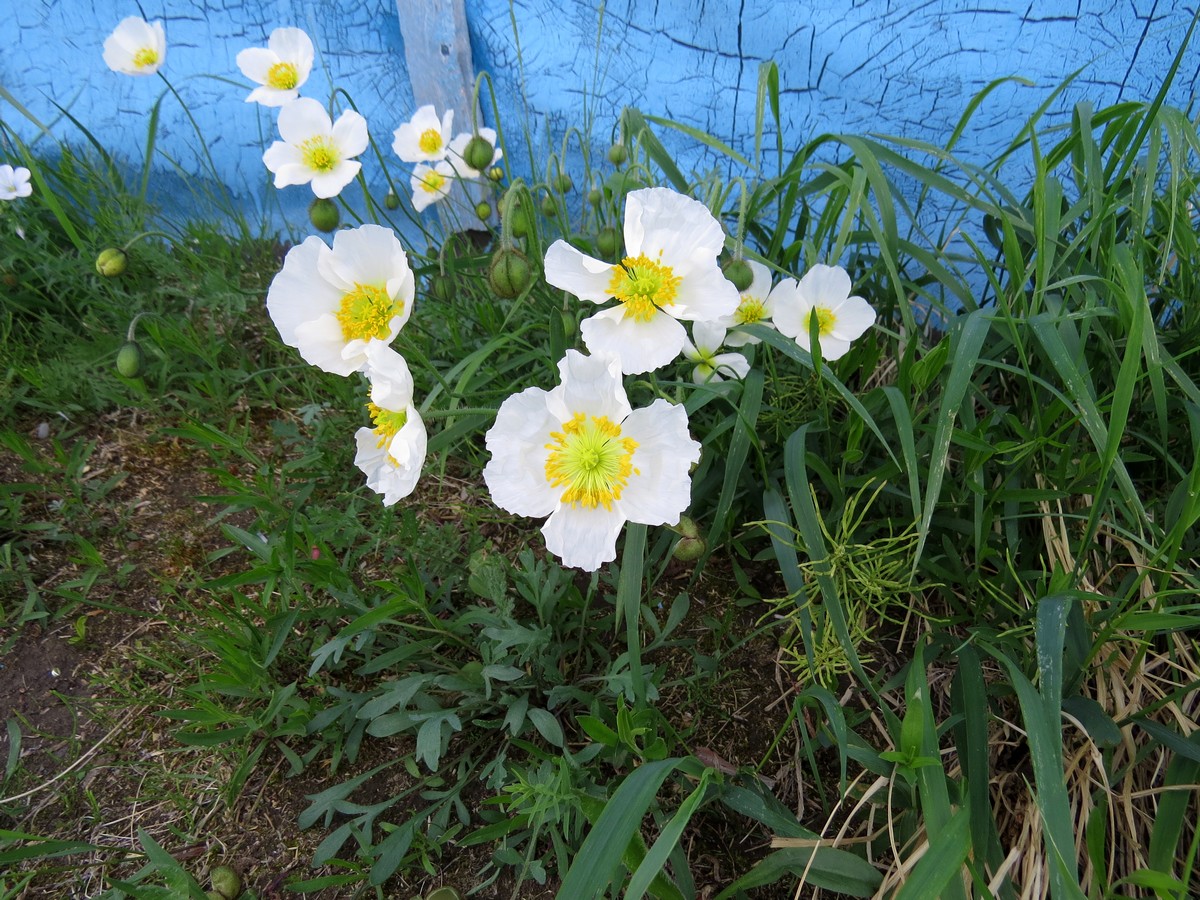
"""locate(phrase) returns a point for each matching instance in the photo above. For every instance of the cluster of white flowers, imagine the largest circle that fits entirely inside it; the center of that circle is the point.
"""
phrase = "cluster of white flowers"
(438, 159)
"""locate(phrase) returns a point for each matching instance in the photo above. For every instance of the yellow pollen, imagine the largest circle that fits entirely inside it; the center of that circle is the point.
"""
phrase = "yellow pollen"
(147, 56)
(591, 460)
(430, 140)
(826, 320)
(644, 286)
(283, 76)
(367, 311)
(749, 311)
(431, 182)
(320, 154)
(387, 422)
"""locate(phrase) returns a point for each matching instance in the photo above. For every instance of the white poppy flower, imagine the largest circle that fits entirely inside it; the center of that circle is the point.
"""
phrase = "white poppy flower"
(670, 273)
(314, 149)
(423, 138)
(756, 305)
(459, 145)
(332, 304)
(280, 68)
(824, 293)
(580, 455)
(711, 365)
(136, 47)
(14, 183)
(430, 184)
(392, 451)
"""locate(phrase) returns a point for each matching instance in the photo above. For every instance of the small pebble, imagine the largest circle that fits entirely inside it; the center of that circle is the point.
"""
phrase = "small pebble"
(42, 431)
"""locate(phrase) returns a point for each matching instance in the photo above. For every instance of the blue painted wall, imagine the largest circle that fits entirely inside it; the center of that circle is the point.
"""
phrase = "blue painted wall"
(869, 66)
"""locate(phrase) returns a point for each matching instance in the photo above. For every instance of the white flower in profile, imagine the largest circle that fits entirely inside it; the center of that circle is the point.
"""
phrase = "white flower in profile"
(136, 47)
(822, 294)
(459, 145)
(423, 138)
(314, 149)
(331, 304)
(755, 307)
(14, 183)
(430, 184)
(392, 451)
(280, 68)
(580, 455)
(711, 365)
(670, 273)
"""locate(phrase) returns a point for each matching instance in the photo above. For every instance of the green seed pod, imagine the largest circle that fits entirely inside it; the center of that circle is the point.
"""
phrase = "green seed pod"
(608, 240)
(391, 201)
(324, 214)
(129, 359)
(483, 210)
(691, 546)
(738, 272)
(595, 196)
(495, 173)
(509, 273)
(226, 882)
(617, 154)
(563, 183)
(111, 262)
(478, 153)
(549, 207)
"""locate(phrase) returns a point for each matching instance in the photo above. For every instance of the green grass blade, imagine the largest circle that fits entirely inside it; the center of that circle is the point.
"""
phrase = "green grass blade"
(935, 873)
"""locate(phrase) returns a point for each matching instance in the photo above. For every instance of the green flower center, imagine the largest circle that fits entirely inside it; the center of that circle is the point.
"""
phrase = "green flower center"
(367, 311)
(644, 286)
(432, 182)
(283, 76)
(387, 422)
(147, 56)
(826, 320)
(430, 140)
(320, 154)
(591, 460)
(749, 311)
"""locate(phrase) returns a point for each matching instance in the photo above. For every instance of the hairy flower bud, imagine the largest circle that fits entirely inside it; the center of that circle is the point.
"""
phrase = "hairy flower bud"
(738, 272)
(483, 210)
(478, 153)
(392, 200)
(617, 154)
(111, 262)
(226, 882)
(129, 359)
(324, 214)
(608, 240)
(691, 546)
(509, 273)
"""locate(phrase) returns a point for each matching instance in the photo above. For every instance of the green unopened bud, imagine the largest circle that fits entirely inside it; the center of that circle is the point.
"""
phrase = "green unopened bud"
(691, 546)
(129, 359)
(617, 154)
(324, 214)
(444, 893)
(563, 183)
(509, 273)
(521, 224)
(442, 287)
(608, 240)
(392, 200)
(478, 153)
(738, 272)
(226, 882)
(495, 173)
(549, 207)
(483, 210)
(595, 196)
(111, 262)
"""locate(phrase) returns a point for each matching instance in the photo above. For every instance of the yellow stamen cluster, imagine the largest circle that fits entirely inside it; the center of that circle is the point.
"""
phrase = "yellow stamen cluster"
(430, 140)
(749, 311)
(147, 56)
(387, 422)
(367, 311)
(320, 154)
(826, 320)
(432, 182)
(644, 286)
(283, 76)
(591, 460)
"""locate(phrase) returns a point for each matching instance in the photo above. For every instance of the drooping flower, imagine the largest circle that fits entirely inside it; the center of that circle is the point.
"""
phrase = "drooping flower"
(423, 138)
(136, 47)
(332, 304)
(824, 294)
(457, 153)
(711, 365)
(14, 183)
(316, 150)
(392, 451)
(430, 184)
(280, 68)
(579, 454)
(756, 305)
(670, 273)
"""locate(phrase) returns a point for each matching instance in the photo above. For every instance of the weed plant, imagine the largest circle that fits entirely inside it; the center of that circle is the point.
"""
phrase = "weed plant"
(968, 543)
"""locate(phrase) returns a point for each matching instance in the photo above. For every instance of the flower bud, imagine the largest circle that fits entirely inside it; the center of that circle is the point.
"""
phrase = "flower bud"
(324, 214)
(391, 201)
(549, 207)
(444, 893)
(483, 210)
(617, 154)
(129, 359)
(608, 240)
(595, 196)
(495, 173)
(509, 273)
(691, 546)
(563, 183)
(226, 882)
(442, 287)
(738, 272)
(478, 153)
(111, 262)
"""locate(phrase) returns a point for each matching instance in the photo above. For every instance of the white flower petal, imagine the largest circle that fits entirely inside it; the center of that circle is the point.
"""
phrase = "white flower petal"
(302, 119)
(577, 273)
(659, 220)
(582, 537)
(731, 365)
(591, 385)
(350, 133)
(322, 344)
(640, 346)
(329, 184)
(789, 309)
(297, 294)
(854, 316)
(516, 473)
(709, 336)
(255, 62)
(825, 285)
(660, 489)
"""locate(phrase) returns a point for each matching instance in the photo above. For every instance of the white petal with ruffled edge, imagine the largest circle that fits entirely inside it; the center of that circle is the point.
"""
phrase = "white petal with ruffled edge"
(660, 488)
(516, 473)
(640, 346)
(586, 538)
(576, 272)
